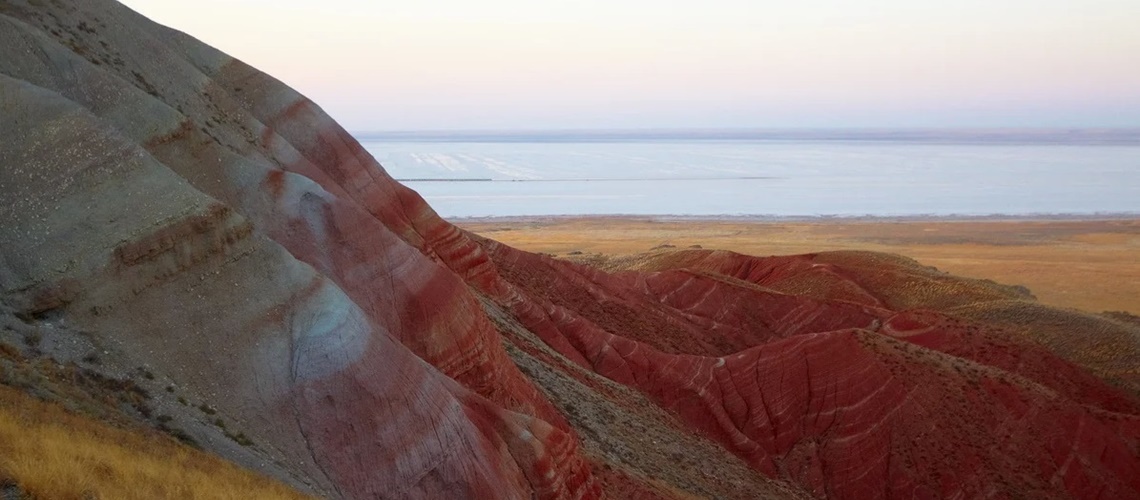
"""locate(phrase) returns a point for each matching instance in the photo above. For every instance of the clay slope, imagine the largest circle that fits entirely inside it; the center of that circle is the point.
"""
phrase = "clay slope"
(198, 217)
(851, 375)
(185, 212)
(201, 218)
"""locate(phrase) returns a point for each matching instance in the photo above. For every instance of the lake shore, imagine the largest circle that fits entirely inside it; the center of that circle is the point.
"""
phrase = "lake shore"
(1088, 262)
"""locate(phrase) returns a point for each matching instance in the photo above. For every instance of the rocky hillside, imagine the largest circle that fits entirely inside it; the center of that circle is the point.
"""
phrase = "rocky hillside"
(173, 217)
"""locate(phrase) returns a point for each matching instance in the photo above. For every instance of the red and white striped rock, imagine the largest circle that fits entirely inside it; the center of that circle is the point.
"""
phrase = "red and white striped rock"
(204, 219)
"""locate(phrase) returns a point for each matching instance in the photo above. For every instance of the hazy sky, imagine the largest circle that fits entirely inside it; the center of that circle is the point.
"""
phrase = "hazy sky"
(542, 64)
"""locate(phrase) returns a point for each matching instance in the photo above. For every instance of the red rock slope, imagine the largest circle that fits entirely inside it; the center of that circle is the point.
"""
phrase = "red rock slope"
(196, 216)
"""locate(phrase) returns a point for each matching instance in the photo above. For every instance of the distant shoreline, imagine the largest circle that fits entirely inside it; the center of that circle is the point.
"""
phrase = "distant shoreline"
(1129, 136)
(822, 219)
(600, 179)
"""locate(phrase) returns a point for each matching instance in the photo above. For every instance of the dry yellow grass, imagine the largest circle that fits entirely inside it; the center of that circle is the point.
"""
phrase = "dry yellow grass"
(1085, 264)
(54, 454)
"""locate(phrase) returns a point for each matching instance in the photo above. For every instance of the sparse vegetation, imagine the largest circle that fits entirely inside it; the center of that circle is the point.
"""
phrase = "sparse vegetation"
(180, 435)
(32, 339)
(240, 438)
(1123, 316)
(9, 351)
(49, 452)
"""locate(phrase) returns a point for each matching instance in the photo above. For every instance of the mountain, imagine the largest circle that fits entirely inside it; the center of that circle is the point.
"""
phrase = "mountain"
(175, 219)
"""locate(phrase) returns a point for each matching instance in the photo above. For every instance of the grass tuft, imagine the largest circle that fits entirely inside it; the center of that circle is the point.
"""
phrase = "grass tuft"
(52, 453)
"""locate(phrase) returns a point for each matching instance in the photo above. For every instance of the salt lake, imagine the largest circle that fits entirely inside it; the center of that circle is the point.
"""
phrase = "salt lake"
(767, 174)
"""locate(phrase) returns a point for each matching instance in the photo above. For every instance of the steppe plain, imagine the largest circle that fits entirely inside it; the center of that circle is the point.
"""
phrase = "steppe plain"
(1088, 264)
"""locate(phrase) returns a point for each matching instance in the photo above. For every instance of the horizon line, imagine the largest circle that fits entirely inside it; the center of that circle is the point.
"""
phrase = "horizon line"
(1133, 128)
(1052, 135)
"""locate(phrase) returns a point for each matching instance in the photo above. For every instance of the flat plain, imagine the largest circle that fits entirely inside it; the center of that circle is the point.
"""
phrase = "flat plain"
(1092, 265)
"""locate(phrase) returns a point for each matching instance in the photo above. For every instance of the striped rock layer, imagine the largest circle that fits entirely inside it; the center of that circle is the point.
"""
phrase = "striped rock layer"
(201, 218)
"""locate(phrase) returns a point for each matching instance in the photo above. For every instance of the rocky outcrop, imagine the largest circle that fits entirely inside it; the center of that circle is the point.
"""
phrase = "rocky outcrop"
(222, 229)
(198, 217)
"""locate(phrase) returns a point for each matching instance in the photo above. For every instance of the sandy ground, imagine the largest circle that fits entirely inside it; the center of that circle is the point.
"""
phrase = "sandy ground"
(1093, 265)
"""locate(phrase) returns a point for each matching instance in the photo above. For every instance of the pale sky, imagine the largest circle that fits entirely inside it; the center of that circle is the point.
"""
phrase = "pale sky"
(610, 64)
